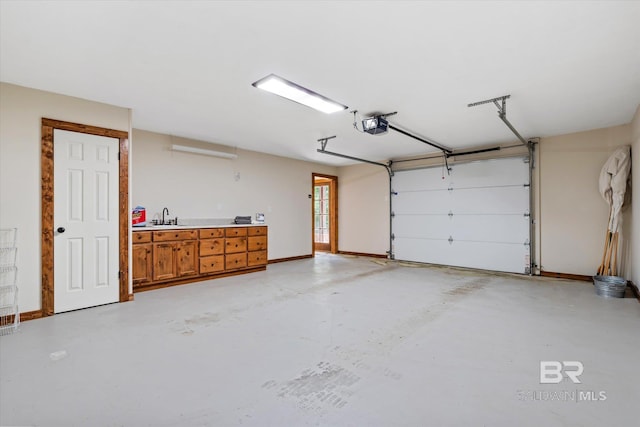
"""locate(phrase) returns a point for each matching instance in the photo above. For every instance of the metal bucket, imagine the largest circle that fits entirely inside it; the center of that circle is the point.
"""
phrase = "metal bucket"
(610, 286)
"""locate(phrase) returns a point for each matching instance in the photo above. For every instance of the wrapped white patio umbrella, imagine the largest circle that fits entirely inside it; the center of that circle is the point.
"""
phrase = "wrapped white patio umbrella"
(614, 178)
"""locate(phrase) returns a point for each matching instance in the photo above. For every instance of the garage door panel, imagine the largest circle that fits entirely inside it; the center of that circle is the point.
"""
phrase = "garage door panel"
(510, 200)
(417, 250)
(430, 202)
(490, 228)
(493, 256)
(430, 179)
(477, 219)
(490, 173)
(421, 226)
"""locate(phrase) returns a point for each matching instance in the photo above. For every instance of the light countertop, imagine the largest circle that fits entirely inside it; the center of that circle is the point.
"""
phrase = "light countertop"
(188, 227)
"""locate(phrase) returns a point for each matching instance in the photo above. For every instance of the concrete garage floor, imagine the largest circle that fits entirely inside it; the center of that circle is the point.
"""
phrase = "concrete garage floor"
(331, 341)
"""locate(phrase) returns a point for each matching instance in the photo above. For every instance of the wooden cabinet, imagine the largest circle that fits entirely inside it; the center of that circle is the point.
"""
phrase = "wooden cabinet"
(212, 264)
(257, 258)
(187, 258)
(174, 256)
(235, 231)
(142, 259)
(164, 261)
(211, 247)
(257, 246)
(173, 260)
(235, 244)
(258, 243)
(235, 261)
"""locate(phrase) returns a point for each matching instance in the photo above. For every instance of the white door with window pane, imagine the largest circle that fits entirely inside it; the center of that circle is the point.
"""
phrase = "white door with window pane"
(85, 220)
(321, 217)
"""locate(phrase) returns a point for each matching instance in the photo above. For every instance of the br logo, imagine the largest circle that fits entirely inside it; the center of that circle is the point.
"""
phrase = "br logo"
(551, 371)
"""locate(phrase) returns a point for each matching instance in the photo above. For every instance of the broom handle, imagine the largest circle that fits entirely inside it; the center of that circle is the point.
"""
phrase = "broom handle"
(607, 239)
(615, 254)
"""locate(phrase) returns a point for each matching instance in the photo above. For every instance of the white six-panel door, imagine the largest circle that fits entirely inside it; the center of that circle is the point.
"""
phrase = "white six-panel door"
(85, 220)
(475, 217)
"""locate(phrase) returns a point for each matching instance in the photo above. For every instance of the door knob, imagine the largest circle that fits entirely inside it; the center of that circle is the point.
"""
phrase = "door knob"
(60, 230)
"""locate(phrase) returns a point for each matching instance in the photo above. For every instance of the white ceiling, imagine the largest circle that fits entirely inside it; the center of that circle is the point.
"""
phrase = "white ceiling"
(186, 68)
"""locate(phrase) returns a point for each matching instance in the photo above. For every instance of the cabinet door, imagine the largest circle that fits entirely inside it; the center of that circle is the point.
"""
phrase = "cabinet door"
(257, 231)
(187, 258)
(211, 233)
(142, 263)
(211, 264)
(258, 243)
(164, 261)
(234, 261)
(235, 231)
(141, 237)
(257, 258)
(211, 247)
(235, 245)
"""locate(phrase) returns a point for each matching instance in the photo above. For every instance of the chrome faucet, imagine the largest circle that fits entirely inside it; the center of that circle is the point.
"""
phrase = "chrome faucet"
(163, 211)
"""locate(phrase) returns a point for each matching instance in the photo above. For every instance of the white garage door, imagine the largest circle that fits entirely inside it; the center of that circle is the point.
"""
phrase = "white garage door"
(478, 216)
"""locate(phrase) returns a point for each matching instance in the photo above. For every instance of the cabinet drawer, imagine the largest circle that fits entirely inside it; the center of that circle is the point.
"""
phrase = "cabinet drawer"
(141, 237)
(211, 264)
(257, 243)
(168, 235)
(211, 247)
(235, 244)
(235, 231)
(257, 231)
(257, 258)
(211, 233)
(234, 261)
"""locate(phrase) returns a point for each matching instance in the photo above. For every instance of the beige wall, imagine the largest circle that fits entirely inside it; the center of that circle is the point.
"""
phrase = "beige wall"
(634, 263)
(21, 111)
(199, 186)
(573, 215)
(363, 202)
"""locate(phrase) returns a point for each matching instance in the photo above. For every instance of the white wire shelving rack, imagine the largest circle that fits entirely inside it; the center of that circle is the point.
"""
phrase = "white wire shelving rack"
(9, 312)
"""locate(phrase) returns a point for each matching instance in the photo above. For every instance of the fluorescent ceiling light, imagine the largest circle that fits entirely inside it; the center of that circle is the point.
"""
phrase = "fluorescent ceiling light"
(194, 150)
(299, 94)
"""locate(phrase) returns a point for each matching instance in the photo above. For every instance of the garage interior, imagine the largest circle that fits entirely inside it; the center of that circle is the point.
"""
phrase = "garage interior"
(424, 254)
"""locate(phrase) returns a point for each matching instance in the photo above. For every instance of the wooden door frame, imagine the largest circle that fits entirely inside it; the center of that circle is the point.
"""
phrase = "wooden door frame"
(47, 205)
(333, 211)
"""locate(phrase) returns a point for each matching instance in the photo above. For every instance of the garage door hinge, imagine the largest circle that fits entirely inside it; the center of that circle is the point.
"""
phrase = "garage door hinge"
(527, 214)
(450, 188)
(393, 214)
(525, 160)
(450, 214)
(393, 236)
(394, 193)
(527, 243)
(450, 240)
(527, 185)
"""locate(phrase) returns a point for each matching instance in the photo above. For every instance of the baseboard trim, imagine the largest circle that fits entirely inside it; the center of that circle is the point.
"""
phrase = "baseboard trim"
(566, 276)
(30, 315)
(634, 289)
(362, 254)
(187, 280)
(293, 258)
